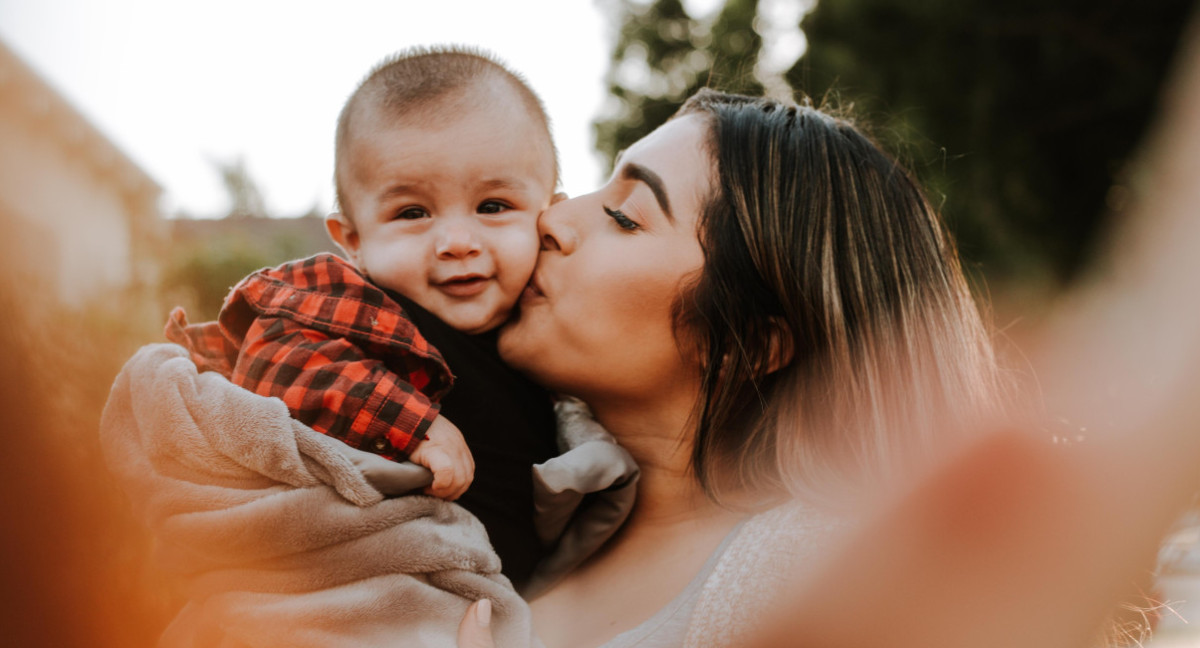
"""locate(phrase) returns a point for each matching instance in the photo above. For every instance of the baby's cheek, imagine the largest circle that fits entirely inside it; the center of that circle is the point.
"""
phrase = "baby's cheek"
(518, 254)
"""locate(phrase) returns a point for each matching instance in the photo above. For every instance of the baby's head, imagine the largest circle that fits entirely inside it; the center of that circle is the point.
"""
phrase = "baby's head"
(443, 162)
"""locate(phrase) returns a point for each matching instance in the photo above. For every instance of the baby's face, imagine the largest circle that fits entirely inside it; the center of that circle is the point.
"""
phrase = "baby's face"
(447, 214)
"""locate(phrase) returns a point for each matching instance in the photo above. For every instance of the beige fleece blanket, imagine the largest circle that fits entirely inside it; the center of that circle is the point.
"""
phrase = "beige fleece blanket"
(274, 536)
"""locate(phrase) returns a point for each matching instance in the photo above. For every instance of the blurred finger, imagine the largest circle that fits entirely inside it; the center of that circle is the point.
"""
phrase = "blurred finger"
(475, 631)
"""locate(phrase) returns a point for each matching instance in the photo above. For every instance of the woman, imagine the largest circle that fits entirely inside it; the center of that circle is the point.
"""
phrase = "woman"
(759, 301)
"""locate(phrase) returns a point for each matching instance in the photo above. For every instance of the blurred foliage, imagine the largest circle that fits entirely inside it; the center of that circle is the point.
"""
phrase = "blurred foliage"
(245, 198)
(1019, 117)
(207, 257)
(201, 275)
(663, 55)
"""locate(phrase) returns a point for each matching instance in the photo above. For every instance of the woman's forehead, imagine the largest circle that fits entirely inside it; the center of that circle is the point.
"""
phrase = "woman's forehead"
(686, 133)
(672, 160)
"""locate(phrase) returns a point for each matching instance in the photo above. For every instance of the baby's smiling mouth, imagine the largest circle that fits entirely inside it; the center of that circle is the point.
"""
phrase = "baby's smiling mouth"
(466, 285)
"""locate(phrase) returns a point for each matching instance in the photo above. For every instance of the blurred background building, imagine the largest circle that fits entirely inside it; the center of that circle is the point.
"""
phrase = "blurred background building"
(78, 219)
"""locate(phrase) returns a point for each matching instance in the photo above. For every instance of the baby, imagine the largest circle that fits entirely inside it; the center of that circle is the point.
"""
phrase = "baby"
(444, 161)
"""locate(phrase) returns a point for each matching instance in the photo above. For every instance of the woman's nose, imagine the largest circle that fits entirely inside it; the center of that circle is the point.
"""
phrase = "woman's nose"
(457, 239)
(556, 230)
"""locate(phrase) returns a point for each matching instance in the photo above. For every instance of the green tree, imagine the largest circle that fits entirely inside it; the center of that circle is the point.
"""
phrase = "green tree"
(663, 55)
(1020, 116)
(201, 274)
(209, 256)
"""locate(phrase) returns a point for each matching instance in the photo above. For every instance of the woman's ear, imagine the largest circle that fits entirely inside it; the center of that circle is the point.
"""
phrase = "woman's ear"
(781, 346)
(341, 230)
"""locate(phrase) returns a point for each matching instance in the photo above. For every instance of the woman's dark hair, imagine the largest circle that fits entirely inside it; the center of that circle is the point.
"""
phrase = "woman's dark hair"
(832, 314)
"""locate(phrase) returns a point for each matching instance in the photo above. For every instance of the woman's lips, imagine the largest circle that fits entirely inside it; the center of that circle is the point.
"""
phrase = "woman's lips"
(463, 286)
(532, 291)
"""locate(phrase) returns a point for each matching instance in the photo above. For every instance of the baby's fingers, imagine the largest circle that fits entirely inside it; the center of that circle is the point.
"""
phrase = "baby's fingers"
(452, 487)
(442, 467)
(462, 481)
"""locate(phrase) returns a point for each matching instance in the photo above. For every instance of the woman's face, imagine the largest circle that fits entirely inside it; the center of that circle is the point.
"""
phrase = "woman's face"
(596, 320)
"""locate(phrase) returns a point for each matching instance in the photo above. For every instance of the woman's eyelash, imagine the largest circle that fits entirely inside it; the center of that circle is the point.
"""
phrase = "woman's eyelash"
(623, 221)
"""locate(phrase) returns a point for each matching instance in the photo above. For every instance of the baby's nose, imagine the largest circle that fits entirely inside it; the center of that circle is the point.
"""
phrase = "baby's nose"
(457, 239)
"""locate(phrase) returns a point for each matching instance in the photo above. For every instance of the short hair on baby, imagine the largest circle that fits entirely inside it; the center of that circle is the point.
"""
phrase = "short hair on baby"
(415, 81)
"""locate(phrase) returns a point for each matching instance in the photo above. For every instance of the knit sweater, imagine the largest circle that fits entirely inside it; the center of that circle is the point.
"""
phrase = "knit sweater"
(771, 551)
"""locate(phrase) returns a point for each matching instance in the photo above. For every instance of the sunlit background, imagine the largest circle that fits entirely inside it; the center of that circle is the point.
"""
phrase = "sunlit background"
(184, 87)
(152, 153)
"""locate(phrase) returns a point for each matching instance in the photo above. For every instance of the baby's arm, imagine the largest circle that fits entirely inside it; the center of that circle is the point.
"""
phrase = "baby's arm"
(331, 385)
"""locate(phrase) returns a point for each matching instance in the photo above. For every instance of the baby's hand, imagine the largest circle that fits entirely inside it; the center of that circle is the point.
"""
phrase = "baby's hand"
(388, 477)
(445, 453)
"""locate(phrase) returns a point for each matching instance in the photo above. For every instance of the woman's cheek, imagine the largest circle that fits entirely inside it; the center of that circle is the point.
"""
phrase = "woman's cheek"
(641, 315)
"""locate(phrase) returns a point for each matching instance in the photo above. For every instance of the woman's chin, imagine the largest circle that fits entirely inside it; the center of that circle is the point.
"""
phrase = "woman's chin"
(524, 344)
(513, 340)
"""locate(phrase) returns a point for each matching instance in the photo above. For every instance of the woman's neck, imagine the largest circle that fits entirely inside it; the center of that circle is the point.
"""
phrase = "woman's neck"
(673, 529)
(654, 436)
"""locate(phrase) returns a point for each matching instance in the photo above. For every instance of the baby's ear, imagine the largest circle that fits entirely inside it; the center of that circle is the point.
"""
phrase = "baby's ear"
(341, 230)
(558, 197)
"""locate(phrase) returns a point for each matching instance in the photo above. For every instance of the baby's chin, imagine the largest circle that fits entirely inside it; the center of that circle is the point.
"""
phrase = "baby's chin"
(473, 323)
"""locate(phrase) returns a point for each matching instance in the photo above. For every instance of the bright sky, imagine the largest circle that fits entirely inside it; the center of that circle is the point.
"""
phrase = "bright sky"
(176, 84)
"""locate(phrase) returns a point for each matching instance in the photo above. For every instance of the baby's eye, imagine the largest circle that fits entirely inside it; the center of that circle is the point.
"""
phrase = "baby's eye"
(412, 213)
(492, 207)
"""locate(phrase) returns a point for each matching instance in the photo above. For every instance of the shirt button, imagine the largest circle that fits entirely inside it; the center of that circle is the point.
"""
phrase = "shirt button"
(380, 444)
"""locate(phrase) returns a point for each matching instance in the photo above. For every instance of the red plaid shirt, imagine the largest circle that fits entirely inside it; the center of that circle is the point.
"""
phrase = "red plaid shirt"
(334, 347)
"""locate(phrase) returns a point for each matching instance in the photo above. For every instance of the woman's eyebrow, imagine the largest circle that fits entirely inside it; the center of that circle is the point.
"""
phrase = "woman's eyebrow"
(633, 171)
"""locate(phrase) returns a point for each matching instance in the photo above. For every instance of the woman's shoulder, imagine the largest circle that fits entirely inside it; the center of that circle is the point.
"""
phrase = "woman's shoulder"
(769, 551)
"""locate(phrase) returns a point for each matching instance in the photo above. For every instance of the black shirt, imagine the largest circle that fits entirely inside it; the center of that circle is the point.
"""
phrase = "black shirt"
(508, 424)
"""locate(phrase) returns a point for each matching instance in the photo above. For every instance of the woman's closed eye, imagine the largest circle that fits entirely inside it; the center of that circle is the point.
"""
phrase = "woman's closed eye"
(623, 221)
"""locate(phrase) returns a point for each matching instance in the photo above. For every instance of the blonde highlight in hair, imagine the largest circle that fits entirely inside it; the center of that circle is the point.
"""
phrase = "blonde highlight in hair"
(815, 236)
